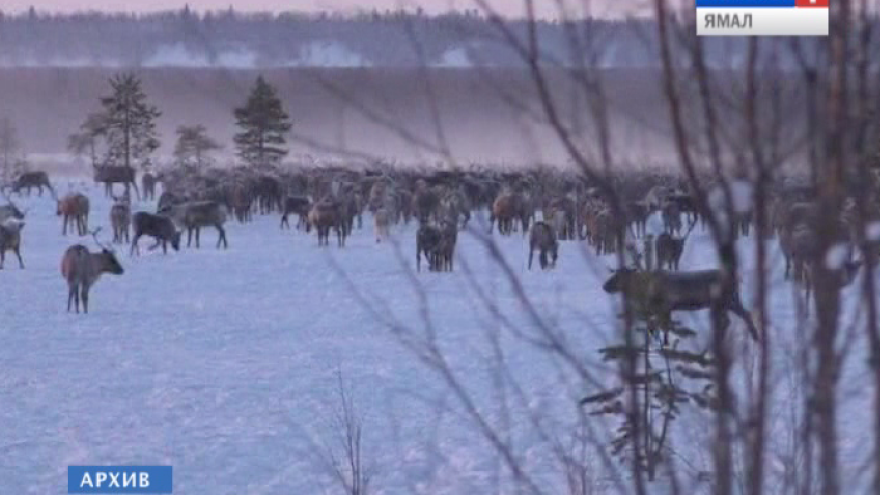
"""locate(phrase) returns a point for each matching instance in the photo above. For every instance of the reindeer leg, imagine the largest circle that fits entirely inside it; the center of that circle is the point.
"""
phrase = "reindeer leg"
(71, 290)
(531, 255)
(134, 245)
(136, 192)
(85, 298)
(20, 262)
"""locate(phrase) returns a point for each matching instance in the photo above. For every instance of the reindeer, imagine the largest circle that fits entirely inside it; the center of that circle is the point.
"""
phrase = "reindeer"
(197, 214)
(300, 205)
(116, 174)
(427, 239)
(507, 208)
(543, 238)
(659, 293)
(81, 269)
(381, 221)
(75, 209)
(148, 183)
(38, 179)
(444, 250)
(669, 249)
(159, 227)
(120, 218)
(10, 239)
(325, 216)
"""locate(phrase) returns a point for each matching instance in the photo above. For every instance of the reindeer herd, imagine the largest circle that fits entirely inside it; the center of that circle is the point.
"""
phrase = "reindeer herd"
(549, 207)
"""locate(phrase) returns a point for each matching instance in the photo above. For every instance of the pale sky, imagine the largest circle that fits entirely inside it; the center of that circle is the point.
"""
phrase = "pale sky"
(545, 8)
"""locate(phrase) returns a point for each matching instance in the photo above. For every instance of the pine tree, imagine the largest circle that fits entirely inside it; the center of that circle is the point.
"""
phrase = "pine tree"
(129, 121)
(264, 123)
(193, 145)
(86, 140)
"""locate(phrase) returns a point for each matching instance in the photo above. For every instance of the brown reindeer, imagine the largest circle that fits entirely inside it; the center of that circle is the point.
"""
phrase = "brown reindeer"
(81, 269)
(325, 216)
(506, 209)
(74, 208)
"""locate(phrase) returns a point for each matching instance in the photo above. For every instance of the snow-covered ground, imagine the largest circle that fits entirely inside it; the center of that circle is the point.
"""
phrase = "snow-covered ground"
(223, 363)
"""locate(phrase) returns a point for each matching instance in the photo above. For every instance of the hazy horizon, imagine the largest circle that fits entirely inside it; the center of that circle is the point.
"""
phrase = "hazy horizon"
(510, 8)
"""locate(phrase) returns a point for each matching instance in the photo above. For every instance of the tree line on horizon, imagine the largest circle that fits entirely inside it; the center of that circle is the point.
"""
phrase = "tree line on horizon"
(376, 38)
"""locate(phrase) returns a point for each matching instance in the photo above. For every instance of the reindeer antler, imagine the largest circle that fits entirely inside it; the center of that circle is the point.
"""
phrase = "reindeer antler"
(95, 237)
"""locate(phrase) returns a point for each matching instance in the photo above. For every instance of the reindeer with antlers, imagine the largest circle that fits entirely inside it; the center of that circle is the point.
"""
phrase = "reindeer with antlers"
(81, 269)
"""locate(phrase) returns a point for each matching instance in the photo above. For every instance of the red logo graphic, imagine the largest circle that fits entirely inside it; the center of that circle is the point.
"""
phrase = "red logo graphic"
(812, 3)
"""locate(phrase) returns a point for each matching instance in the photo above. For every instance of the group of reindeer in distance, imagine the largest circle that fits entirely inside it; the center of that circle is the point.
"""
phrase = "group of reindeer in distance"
(334, 200)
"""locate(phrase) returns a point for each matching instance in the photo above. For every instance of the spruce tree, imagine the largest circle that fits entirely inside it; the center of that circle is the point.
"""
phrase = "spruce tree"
(263, 124)
(193, 145)
(129, 121)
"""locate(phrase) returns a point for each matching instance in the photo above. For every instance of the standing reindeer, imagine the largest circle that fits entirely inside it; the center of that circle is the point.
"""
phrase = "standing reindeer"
(543, 238)
(81, 269)
(148, 183)
(120, 219)
(10, 239)
(116, 174)
(197, 214)
(75, 209)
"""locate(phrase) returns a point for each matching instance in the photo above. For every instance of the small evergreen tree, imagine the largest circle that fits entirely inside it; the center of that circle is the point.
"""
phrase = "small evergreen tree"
(86, 140)
(129, 121)
(263, 124)
(194, 145)
(655, 384)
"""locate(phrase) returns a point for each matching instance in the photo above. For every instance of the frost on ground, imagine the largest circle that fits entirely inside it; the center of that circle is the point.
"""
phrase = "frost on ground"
(223, 363)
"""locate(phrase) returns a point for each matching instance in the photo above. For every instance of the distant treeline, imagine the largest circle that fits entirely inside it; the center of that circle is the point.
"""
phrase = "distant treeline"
(380, 39)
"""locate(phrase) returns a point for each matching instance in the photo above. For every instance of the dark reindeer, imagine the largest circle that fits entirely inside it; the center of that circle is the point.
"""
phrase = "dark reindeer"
(29, 180)
(81, 269)
(660, 293)
(10, 239)
(427, 239)
(159, 227)
(670, 248)
(116, 174)
(300, 205)
(543, 238)
(148, 183)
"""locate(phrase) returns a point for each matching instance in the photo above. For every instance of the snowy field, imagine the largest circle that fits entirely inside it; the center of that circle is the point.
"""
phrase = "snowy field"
(223, 363)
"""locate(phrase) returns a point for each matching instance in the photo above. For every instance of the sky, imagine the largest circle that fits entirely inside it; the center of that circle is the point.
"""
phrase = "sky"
(545, 8)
